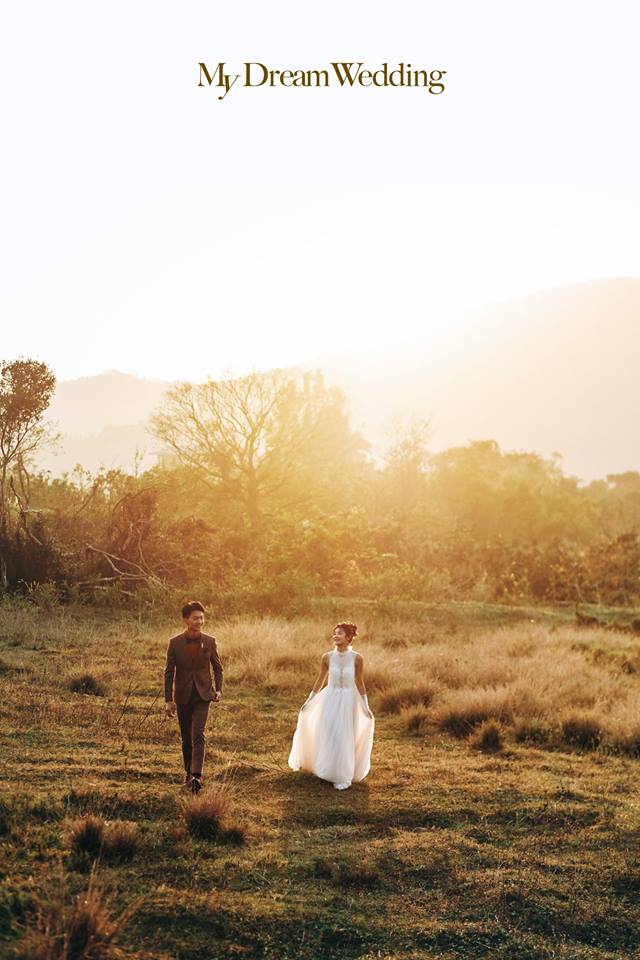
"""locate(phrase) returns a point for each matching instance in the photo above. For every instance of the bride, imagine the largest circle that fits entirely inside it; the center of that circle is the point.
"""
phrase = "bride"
(334, 735)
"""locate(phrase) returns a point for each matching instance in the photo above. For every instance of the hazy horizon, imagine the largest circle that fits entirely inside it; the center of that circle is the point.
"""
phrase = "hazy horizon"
(140, 214)
(552, 372)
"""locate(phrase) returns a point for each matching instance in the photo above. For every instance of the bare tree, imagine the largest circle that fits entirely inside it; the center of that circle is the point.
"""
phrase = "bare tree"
(26, 387)
(251, 436)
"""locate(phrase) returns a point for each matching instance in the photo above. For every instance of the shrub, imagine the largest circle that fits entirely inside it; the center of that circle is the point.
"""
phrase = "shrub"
(207, 817)
(87, 683)
(581, 730)
(398, 698)
(87, 835)
(488, 737)
(414, 719)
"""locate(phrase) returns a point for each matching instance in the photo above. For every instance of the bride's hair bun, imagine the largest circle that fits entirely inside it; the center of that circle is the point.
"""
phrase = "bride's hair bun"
(349, 628)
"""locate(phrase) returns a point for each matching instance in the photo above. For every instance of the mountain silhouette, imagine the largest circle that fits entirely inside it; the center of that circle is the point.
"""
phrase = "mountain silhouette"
(553, 372)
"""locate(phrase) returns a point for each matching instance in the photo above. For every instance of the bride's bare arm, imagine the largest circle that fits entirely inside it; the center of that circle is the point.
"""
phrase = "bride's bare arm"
(360, 675)
(360, 687)
(322, 676)
(320, 682)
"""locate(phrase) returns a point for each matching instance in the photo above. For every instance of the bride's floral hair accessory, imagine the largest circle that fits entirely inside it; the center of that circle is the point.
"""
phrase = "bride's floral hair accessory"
(349, 628)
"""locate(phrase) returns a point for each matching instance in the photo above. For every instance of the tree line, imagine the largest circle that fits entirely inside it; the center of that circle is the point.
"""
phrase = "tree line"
(267, 498)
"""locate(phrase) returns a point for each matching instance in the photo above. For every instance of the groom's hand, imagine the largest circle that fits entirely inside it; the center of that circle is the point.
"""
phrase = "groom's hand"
(170, 708)
(217, 697)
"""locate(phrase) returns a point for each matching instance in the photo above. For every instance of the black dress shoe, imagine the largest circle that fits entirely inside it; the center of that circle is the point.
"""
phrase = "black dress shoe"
(196, 786)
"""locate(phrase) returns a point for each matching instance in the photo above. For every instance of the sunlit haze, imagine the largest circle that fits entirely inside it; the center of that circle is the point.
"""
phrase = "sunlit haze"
(149, 228)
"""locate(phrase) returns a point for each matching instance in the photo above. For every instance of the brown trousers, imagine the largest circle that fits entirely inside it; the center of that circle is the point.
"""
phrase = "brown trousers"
(192, 717)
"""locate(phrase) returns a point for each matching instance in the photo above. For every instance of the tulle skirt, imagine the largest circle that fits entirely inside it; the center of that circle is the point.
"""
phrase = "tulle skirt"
(334, 736)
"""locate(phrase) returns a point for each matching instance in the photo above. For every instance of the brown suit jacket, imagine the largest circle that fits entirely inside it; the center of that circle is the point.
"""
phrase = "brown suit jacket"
(190, 672)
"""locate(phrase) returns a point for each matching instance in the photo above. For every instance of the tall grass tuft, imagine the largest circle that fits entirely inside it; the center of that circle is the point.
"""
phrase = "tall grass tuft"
(5, 668)
(464, 710)
(210, 816)
(84, 931)
(582, 730)
(488, 737)
(533, 730)
(412, 695)
(414, 720)
(87, 683)
(120, 841)
(5, 819)
(350, 873)
(87, 835)
(624, 740)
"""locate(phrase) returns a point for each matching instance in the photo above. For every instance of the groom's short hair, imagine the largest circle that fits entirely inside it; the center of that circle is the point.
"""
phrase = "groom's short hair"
(191, 607)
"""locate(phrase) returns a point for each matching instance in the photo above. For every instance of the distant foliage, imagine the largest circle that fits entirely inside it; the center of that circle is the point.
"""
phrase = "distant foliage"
(280, 501)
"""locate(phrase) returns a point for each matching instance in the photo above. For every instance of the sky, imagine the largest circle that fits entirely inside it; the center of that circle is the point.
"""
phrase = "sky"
(148, 227)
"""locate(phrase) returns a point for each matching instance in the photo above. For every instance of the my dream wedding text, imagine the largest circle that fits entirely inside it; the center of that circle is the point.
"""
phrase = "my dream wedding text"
(342, 74)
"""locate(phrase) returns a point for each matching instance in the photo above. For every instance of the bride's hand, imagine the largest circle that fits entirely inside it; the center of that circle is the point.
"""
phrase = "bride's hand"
(365, 706)
(308, 700)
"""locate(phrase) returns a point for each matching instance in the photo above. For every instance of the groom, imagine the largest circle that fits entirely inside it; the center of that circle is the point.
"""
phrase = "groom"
(189, 657)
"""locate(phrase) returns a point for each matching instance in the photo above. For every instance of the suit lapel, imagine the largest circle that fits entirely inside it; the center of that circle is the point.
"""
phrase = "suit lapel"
(201, 655)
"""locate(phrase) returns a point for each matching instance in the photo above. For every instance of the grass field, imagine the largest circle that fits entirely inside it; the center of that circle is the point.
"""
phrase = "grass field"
(501, 817)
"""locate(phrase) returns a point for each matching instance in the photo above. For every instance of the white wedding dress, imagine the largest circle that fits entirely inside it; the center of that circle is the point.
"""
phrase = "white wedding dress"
(334, 735)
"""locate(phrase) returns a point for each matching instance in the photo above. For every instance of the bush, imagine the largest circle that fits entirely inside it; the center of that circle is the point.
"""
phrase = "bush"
(87, 683)
(488, 737)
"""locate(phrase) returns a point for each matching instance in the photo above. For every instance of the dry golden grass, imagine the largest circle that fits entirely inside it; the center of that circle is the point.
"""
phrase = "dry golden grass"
(520, 671)
(516, 675)
(444, 851)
